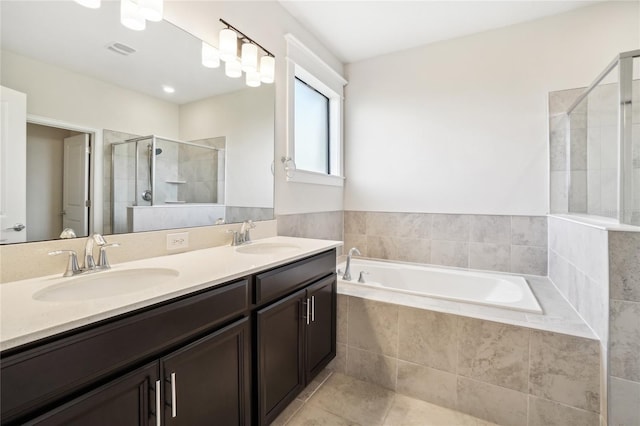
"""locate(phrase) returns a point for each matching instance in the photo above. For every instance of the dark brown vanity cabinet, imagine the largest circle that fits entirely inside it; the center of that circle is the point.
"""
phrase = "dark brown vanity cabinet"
(235, 354)
(295, 337)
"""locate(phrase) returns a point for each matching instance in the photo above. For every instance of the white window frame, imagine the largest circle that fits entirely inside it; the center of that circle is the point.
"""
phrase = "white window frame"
(308, 67)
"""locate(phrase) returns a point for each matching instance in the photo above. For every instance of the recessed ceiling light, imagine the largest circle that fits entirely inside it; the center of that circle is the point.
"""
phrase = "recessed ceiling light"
(168, 89)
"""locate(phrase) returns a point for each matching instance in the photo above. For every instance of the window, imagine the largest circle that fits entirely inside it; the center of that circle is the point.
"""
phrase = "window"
(314, 126)
(311, 129)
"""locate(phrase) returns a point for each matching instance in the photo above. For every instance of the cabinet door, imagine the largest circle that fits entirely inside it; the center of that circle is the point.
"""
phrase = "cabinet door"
(208, 381)
(321, 327)
(127, 401)
(280, 355)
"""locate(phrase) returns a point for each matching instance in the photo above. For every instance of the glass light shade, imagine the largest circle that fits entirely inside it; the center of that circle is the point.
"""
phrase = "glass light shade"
(131, 16)
(228, 45)
(210, 56)
(152, 10)
(233, 69)
(249, 57)
(253, 79)
(91, 4)
(267, 69)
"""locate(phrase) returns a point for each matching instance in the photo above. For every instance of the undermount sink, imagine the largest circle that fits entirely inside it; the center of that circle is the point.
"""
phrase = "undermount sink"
(106, 284)
(267, 248)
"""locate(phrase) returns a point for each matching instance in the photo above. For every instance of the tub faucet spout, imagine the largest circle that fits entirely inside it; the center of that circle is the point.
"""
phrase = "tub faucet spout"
(347, 270)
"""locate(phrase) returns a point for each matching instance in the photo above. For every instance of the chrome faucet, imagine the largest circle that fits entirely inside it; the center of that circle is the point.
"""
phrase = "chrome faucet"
(247, 226)
(347, 270)
(74, 268)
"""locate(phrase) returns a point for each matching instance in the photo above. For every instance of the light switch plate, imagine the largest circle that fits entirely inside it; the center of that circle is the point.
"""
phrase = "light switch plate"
(178, 241)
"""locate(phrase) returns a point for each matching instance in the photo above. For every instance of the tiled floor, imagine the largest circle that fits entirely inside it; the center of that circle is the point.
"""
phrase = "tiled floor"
(334, 399)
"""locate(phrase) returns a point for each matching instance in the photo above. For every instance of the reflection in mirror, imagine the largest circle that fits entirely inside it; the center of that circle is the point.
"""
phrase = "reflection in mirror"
(105, 148)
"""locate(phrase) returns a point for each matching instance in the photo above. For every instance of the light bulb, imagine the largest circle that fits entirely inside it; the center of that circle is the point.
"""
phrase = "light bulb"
(91, 4)
(233, 69)
(152, 10)
(253, 79)
(131, 16)
(210, 56)
(228, 45)
(249, 57)
(267, 69)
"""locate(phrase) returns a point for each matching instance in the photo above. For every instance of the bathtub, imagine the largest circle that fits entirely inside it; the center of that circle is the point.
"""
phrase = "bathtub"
(480, 288)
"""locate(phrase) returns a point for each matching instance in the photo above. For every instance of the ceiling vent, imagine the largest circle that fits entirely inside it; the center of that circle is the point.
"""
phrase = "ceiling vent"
(121, 49)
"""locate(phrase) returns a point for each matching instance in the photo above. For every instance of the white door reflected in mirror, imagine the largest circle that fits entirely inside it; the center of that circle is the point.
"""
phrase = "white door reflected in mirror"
(13, 171)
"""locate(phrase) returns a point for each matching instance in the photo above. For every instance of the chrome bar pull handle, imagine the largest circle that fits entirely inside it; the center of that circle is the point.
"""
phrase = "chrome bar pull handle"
(313, 309)
(158, 404)
(174, 409)
(307, 311)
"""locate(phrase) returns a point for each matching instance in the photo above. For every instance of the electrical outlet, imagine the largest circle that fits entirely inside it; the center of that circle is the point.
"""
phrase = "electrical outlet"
(178, 241)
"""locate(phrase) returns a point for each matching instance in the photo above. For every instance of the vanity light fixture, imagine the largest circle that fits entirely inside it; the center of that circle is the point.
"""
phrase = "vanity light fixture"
(91, 4)
(258, 66)
(210, 56)
(134, 14)
(131, 15)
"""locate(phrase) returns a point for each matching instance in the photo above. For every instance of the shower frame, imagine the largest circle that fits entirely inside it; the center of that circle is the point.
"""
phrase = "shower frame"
(624, 61)
(152, 177)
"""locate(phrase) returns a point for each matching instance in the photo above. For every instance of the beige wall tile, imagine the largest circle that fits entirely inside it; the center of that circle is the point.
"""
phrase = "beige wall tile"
(529, 231)
(342, 317)
(381, 224)
(494, 403)
(624, 400)
(490, 257)
(624, 265)
(490, 229)
(428, 338)
(372, 367)
(357, 241)
(450, 253)
(355, 222)
(493, 353)
(625, 339)
(373, 326)
(427, 384)
(565, 369)
(548, 413)
(339, 363)
(451, 227)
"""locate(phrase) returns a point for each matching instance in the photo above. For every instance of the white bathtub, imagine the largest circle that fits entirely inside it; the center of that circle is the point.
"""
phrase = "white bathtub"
(481, 288)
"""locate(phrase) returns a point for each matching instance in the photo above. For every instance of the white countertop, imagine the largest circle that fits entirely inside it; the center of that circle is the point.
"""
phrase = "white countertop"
(24, 319)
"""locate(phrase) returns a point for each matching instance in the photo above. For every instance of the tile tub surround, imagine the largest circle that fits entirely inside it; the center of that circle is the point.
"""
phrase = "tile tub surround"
(30, 260)
(487, 242)
(503, 373)
(320, 225)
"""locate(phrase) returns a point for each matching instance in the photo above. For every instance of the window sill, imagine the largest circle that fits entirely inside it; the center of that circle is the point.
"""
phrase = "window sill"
(303, 176)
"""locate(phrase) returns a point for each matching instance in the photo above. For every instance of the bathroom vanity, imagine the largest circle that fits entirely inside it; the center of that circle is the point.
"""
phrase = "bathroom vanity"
(236, 349)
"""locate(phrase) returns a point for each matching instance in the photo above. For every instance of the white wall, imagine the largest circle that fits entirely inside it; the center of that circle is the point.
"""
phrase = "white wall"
(45, 147)
(460, 126)
(73, 98)
(245, 118)
(266, 22)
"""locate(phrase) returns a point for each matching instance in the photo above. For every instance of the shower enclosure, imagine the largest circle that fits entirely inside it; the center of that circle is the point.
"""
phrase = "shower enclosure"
(150, 174)
(602, 150)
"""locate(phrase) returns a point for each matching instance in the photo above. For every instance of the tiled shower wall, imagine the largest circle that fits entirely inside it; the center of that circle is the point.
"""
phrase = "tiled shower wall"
(497, 243)
(624, 328)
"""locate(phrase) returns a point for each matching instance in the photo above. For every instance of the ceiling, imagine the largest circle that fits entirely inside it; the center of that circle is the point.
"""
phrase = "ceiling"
(357, 30)
(67, 35)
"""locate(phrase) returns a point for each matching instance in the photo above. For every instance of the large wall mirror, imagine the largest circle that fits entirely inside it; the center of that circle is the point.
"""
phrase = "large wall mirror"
(126, 131)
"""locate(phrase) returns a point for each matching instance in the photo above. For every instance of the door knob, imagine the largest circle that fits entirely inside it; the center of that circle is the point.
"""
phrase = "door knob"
(17, 227)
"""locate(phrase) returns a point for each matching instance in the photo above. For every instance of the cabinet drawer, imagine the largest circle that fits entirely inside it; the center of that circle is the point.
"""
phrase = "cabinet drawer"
(43, 374)
(280, 281)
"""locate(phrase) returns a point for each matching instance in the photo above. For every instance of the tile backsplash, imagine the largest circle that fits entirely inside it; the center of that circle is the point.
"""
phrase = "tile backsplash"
(490, 242)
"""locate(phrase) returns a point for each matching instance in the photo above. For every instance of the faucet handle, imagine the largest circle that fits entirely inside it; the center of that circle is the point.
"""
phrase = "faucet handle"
(72, 265)
(235, 240)
(361, 277)
(103, 262)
